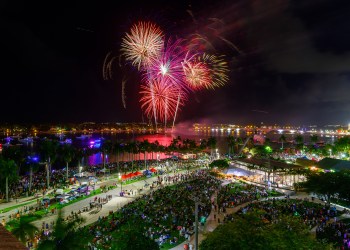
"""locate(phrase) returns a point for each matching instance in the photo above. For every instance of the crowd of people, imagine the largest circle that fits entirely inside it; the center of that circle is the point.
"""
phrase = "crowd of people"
(238, 193)
(165, 215)
(337, 232)
(311, 214)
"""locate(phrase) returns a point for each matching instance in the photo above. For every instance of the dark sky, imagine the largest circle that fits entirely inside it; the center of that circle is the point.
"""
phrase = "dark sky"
(292, 62)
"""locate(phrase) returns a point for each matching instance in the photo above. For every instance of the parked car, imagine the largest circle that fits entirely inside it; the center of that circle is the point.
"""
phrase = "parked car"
(64, 201)
(45, 200)
(62, 197)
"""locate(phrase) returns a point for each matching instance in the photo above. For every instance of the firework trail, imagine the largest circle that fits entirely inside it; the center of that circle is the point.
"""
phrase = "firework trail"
(159, 99)
(232, 45)
(123, 91)
(143, 44)
(177, 107)
(153, 104)
(107, 71)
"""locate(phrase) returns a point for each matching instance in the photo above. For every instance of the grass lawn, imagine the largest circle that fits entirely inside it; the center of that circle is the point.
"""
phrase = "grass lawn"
(274, 193)
(5, 210)
(135, 180)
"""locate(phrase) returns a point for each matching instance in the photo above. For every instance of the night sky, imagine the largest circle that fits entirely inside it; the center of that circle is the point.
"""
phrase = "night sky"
(290, 59)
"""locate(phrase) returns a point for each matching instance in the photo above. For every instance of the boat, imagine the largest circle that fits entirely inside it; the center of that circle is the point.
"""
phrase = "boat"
(83, 137)
(26, 140)
(66, 141)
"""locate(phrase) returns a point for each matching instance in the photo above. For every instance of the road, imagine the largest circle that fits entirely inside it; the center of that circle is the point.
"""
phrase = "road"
(114, 204)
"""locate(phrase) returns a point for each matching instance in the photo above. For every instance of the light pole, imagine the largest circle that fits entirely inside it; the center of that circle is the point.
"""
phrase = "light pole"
(121, 183)
(196, 202)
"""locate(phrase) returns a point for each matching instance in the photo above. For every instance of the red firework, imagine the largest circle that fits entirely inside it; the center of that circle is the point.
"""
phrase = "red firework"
(161, 99)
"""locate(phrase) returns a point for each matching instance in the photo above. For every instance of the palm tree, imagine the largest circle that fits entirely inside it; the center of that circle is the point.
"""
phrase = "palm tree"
(156, 147)
(32, 163)
(24, 229)
(231, 144)
(186, 143)
(132, 149)
(282, 139)
(15, 153)
(67, 154)
(144, 146)
(106, 149)
(203, 144)
(173, 144)
(117, 149)
(299, 140)
(64, 236)
(8, 170)
(48, 151)
(212, 144)
(314, 139)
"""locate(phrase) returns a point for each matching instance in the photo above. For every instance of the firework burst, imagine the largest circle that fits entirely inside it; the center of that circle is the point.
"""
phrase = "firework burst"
(218, 69)
(170, 70)
(160, 99)
(169, 65)
(143, 44)
(198, 75)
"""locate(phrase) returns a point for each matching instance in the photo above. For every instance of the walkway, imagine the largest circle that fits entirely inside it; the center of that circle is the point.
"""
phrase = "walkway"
(114, 204)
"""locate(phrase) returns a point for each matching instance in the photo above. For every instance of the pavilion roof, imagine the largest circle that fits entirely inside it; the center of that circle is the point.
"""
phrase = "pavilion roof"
(273, 164)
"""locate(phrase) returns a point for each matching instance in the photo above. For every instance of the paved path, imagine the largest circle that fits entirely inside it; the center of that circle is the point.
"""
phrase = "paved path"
(106, 182)
(115, 203)
(33, 199)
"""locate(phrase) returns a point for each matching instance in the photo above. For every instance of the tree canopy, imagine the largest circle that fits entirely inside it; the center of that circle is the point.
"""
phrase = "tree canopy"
(222, 163)
(251, 232)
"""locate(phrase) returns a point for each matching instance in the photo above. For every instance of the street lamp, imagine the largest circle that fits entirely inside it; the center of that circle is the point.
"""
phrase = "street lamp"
(121, 183)
(196, 202)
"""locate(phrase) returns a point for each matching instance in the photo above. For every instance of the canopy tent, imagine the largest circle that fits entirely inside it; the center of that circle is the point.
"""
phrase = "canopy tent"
(130, 175)
(125, 176)
(137, 173)
(147, 172)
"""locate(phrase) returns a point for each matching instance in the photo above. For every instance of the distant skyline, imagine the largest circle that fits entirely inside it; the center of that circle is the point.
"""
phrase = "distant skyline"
(290, 63)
